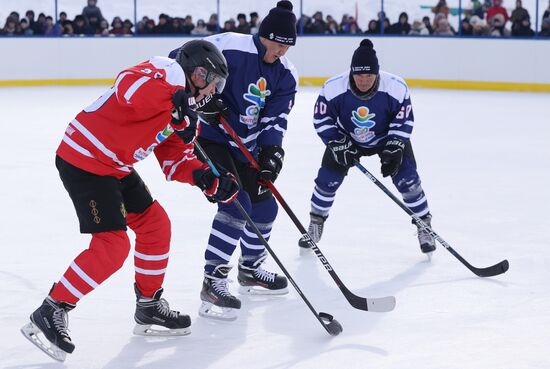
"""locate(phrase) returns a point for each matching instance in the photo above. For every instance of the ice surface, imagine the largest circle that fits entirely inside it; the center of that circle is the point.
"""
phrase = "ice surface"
(483, 158)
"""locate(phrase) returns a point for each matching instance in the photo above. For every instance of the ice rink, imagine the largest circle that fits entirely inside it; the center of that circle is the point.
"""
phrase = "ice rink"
(484, 161)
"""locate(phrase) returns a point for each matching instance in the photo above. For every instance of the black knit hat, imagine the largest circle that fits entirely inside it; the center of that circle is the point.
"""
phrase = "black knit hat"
(280, 24)
(364, 59)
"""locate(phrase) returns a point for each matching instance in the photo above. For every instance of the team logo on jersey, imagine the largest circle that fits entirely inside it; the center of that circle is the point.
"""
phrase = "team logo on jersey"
(142, 153)
(362, 118)
(257, 92)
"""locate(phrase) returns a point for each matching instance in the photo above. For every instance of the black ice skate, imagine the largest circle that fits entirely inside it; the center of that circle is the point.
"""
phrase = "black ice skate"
(255, 280)
(156, 311)
(217, 301)
(426, 240)
(315, 230)
(50, 320)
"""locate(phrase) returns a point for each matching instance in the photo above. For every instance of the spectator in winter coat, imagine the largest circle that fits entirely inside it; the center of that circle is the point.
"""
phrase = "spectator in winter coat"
(200, 29)
(332, 28)
(443, 28)
(80, 27)
(127, 27)
(25, 30)
(10, 27)
(523, 28)
(103, 28)
(319, 25)
(188, 25)
(254, 23)
(479, 26)
(243, 26)
(497, 26)
(428, 24)
(519, 13)
(466, 27)
(92, 10)
(212, 25)
(117, 27)
(497, 8)
(68, 29)
(402, 27)
(418, 28)
(373, 27)
(93, 24)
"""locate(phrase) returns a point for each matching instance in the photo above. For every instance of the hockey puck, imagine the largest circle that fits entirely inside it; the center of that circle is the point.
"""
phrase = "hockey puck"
(332, 326)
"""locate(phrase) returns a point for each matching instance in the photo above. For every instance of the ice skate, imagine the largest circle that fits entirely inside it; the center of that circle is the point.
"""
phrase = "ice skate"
(255, 280)
(426, 240)
(315, 230)
(217, 301)
(50, 321)
(155, 311)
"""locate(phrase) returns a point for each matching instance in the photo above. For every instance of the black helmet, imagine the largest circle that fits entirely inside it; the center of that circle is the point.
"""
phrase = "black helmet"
(205, 56)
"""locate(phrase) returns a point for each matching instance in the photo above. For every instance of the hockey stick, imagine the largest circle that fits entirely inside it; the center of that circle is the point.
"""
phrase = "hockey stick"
(380, 304)
(496, 269)
(331, 325)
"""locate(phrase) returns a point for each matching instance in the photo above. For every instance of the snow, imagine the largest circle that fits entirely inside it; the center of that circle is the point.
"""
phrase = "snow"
(483, 158)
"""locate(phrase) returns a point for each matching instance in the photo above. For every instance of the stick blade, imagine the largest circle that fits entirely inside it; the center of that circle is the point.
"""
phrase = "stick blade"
(491, 271)
(381, 304)
(373, 304)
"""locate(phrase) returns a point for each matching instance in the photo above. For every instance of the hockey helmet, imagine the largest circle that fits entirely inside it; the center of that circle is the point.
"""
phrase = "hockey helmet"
(204, 59)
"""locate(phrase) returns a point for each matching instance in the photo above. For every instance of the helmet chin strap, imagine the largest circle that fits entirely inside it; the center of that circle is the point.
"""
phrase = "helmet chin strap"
(364, 95)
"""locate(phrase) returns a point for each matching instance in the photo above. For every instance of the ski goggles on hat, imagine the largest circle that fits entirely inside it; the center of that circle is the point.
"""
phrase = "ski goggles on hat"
(210, 77)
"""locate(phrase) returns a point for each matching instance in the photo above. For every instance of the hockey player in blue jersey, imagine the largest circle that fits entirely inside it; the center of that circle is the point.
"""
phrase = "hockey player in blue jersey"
(365, 112)
(258, 96)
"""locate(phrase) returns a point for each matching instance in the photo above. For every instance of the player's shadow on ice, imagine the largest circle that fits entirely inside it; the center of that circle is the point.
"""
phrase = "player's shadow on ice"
(209, 342)
(291, 317)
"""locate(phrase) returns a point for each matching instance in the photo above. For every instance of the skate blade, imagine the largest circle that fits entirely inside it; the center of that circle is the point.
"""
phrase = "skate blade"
(31, 332)
(148, 330)
(429, 255)
(257, 290)
(211, 311)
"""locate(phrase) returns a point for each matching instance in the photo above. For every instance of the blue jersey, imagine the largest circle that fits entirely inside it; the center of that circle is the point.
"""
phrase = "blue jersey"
(369, 123)
(259, 95)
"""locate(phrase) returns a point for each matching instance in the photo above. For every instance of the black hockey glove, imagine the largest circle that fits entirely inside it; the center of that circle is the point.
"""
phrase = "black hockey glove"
(270, 160)
(184, 118)
(222, 189)
(211, 107)
(392, 156)
(344, 151)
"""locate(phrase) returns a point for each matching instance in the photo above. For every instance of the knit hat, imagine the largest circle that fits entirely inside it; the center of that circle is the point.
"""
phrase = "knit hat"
(280, 24)
(364, 59)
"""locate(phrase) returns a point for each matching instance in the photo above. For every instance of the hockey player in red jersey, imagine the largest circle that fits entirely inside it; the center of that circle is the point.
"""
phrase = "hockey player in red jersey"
(135, 117)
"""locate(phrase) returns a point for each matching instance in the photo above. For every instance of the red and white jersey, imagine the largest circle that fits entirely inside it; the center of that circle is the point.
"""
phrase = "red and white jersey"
(128, 122)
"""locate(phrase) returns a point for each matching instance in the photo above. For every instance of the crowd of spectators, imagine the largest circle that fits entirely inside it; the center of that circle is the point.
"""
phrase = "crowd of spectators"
(487, 18)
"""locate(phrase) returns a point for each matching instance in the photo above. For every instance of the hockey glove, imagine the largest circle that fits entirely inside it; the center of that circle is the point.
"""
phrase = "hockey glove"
(270, 160)
(211, 107)
(344, 151)
(392, 156)
(184, 118)
(224, 188)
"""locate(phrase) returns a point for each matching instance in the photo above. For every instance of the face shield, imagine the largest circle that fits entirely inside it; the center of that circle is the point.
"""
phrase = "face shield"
(208, 77)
